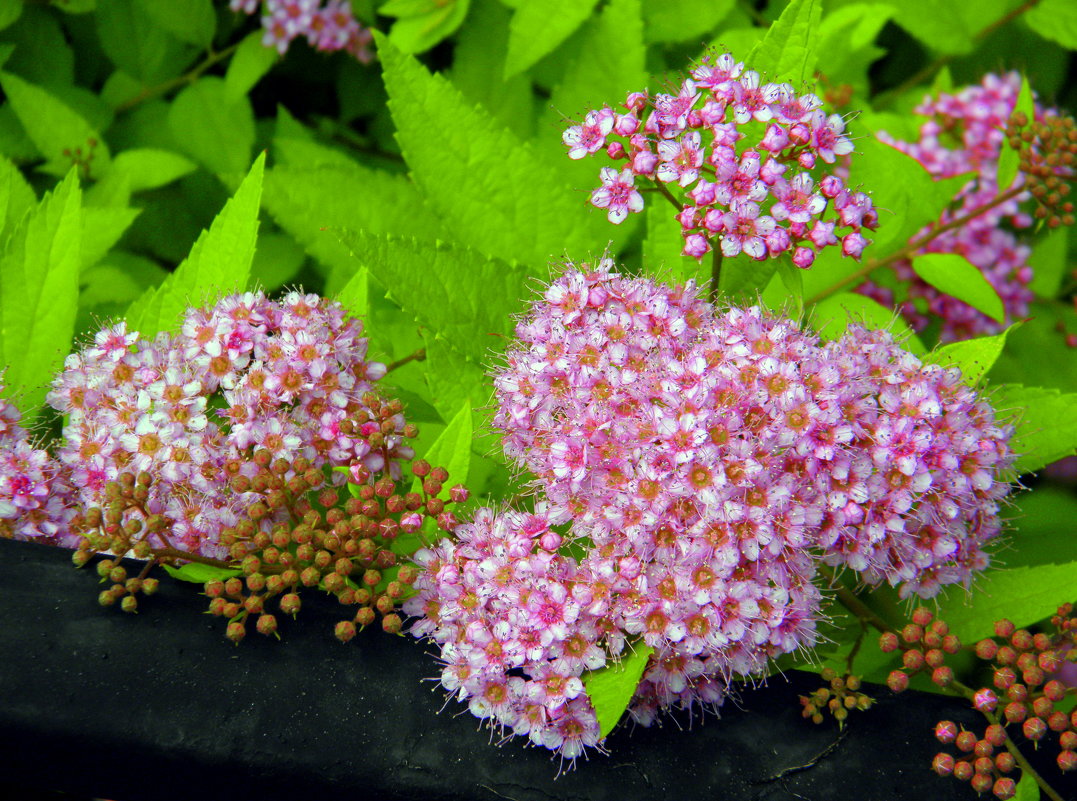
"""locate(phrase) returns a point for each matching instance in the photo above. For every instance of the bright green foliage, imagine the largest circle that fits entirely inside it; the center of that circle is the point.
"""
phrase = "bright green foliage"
(452, 450)
(1043, 535)
(110, 286)
(421, 24)
(16, 197)
(54, 127)
(1050, 262)
(215, 130)
(190, 21)
(539, 26)
(39, 271)
(742, 276)
(832, 316)
(198, 573)
(610, 63)
(1024, 595)
(219, 263)
(846, 46)
(491, 190)
(460, 296)
(102, 227)
(249, 63)
(1047, 426)
(940, 24)
(956, 276)
(611, 688)
(277, 260)
(137, 44)
(149, 168)
(974, 357)
(663, 244)
(452, 377)
(788, 51)
(1027, 788)
(682, 20)
(1055, 20)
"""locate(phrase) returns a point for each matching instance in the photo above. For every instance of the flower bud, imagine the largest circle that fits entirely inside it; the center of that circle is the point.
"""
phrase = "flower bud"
(985, 700)
(1034, 728)
(943, 764)
(946, 731)
(965, 741)
(391, 623)
(888, 642)
(236, 631)
(129, 604)
(290, 603)
(150, 586)
(344, 630)
(1005, 762)
(267, 624)
(1004, 628)
(897, 681)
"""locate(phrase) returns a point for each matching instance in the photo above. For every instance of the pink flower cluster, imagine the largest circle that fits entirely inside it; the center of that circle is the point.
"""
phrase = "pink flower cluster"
(743, 153)
(34, 492)
(695, 466)
(190, 409)
(328, 27)
(964, 133)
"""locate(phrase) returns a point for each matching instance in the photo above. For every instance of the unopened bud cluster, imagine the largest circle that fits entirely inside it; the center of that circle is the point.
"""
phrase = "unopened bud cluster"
(1027, 698)
(838, 698)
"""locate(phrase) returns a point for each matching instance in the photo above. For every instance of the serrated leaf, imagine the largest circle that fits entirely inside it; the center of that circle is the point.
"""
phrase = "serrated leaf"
(1024, 595)
(355, 295)
(539, 26)
(451, 377)
(1010, 159)
(1046, 427)
(787, 52)
(249, 63)
(832, 316)
(39, 274)
(493, 193)
(1049, 262)
(682, 20)
(54, 127)
(611, 688)
(19, 197)
(421, 24)
(973, 357)
(1055, 20)
(198, 573)
(216, 130)
(461, 296)
(956, 276)
(190, 21)
(219, 263)
(149, 168)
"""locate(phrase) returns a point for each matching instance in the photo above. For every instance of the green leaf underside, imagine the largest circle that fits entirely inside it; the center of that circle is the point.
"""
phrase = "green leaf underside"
(1024, 595)
(492, 191)
(956, 276)
(787, 52)
(39, 273)
(611, 687)
(539, 26)
(198, 573)
(219, 262)
(1046, 429)
(974, 357)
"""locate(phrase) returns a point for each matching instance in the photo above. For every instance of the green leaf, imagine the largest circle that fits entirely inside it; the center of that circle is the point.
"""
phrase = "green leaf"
(1038, 539)
(956, 276)
(611, 688)
(1046, 429)
(421, 24)
(461, 296)
(249, 63)
(662, 247)
(1009, 159)
(190, 21)
(355, 295)
(742, 277)
(215, 130)
(54, 128)
(39, 274)
(973, 357)
(136, 44)
(198, 573)
(1055, 20)
(1027, 788)
(277, 260)
(940, 24)
(832, 316)
(102, 227)
(682, 20)
(9, 12)
(149, 168)
(1024, 595)
(846, 46)
(1049, 262)
(539, 26)
(451, 377)
(788, 51)
(219, 263)
(493, 193)
(19, 197)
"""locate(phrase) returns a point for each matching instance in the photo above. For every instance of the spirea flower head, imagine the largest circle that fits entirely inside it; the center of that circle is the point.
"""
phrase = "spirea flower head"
(328, 26)
(754, 163)
(247, 374)
(35, 495)
(965, 133)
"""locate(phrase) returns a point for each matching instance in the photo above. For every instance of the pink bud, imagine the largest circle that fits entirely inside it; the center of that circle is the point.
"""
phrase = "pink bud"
(803, 257)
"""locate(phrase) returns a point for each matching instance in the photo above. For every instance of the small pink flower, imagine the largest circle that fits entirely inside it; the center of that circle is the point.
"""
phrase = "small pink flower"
(617, 194)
